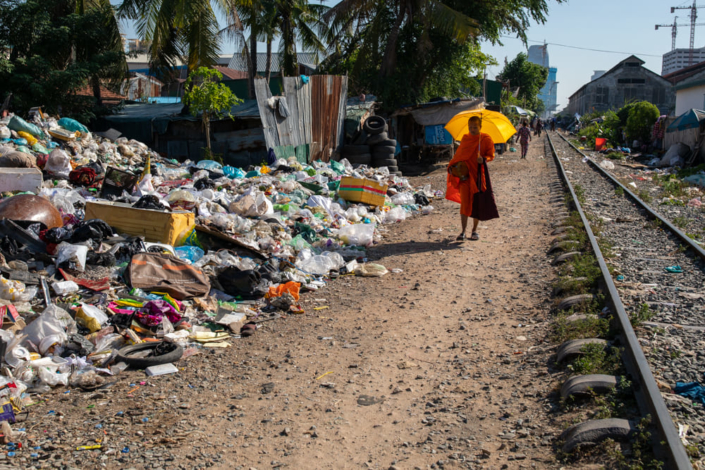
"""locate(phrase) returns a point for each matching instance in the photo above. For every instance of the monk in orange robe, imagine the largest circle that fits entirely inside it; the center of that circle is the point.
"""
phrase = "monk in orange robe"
(475, 149)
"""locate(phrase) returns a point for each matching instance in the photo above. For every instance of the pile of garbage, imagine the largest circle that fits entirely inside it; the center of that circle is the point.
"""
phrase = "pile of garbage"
(112, 256)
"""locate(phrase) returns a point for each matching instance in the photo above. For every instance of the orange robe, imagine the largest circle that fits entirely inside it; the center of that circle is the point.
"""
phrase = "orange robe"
(471, 147)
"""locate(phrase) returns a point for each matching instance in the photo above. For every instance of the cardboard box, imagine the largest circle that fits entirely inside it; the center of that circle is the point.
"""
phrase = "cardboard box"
(154, 226)
(362, 190)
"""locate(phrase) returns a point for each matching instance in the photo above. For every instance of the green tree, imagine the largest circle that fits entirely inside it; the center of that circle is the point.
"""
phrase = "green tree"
(54, 52)
(210, 99)
(642, 116)
(529, 77)
(178, 30)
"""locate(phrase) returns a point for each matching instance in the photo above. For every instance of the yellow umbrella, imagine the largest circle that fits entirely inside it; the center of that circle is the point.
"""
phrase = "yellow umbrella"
(493, 123)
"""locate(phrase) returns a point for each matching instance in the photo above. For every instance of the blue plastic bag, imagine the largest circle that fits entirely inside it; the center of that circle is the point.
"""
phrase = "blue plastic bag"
(73, 125)
(209, 165)
(232, 172)
(252, 174)
(18, 124)
(189, 253)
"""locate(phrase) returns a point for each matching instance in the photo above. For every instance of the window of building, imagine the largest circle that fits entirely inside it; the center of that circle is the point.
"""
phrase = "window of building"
(632, 64)
(658, 95)
(602, 95)
(630, 94)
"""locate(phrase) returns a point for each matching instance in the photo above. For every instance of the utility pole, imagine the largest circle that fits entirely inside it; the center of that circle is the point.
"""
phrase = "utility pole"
(693, 17)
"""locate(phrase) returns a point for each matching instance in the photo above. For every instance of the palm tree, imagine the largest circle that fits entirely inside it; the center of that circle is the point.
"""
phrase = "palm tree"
(178, 29)
(374, 17)
(300, 21)
(110, 42)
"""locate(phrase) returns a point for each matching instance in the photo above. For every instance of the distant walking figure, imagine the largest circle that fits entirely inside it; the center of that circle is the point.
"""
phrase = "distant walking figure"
(524, 137)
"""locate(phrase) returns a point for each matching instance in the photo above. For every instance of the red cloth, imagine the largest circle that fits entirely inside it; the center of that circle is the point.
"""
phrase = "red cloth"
(471, 147)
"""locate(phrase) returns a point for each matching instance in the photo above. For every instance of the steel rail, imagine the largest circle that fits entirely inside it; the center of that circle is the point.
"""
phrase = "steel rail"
(676, 231)
(635, 361)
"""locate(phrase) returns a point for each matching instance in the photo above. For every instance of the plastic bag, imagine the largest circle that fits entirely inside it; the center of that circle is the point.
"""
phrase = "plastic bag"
(189, 253)
(53, 379)
(232, 172)
(209, 165)
(16, 291)
(397, 214)
(607, 165)
(28, 137)
(403, 199)
(370, 270)
(5, 133)
(252, 205)
(73, 253)
(50, 322)
(73, 125)
(91, 317)
(318, 264)
(358, 234)
(58, 163)
(18, 124)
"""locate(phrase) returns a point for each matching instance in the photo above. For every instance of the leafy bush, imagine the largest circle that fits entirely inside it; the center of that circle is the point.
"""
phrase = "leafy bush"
(641, 120)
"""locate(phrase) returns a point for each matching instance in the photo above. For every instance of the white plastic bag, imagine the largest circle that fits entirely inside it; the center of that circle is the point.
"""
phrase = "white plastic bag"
(607, 165)
(58, 163)
(370, 270)
(75, 253)
(358, 234)
(16, 291)
(252, 205)
(53, 379)
(397, 214)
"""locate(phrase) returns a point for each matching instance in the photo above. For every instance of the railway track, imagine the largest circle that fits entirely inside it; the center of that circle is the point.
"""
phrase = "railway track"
(653, 280)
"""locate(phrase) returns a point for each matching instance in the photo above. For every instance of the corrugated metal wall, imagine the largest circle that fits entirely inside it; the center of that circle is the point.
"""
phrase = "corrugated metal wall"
(316, 114)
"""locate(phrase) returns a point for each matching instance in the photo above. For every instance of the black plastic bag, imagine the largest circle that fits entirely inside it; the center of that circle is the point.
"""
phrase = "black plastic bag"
(149, 202)
(204, 183)
(421, 200)
(244, 284)
(100, 259)
(95, 229)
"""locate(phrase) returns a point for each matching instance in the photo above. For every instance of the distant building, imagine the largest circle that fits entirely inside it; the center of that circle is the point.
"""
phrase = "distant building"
(627, 81)
(689, 85)
(136, 45)
(679, 59)
(597, 74)
(549, 93)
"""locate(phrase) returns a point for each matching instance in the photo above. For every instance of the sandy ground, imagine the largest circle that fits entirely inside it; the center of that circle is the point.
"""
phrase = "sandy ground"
(441, 366)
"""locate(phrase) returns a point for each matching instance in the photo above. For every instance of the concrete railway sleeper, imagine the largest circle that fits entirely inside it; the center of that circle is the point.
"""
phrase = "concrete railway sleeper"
(601, 349)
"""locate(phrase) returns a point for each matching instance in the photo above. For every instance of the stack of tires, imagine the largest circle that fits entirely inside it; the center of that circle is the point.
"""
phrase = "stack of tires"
(382, 147)
(357, 154)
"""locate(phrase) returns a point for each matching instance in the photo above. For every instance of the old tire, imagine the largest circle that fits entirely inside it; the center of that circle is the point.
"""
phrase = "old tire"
(374, 125)
(362, 159)
(355, 150)
(384, 148)
(393, 169)
(125, 355)
(382, 155)
(386, 143)
(377, 139)
(384, 162)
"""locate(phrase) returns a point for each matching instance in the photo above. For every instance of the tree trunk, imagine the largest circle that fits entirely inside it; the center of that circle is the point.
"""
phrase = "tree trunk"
(207, 126)
(268, 71)
(389, 61)
(95, 84)
(290, 60)
(253, 62)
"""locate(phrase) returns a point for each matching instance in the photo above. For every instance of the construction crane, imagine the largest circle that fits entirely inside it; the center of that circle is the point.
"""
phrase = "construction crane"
(674, 30)
(693, 17)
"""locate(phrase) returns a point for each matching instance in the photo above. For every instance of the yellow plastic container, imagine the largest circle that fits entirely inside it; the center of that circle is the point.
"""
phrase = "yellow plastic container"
(155, 226)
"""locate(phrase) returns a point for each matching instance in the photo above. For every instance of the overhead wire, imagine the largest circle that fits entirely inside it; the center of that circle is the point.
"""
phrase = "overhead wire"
(585, 48)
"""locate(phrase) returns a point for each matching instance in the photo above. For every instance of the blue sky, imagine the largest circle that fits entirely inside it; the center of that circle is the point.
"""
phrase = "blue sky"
(613, 25)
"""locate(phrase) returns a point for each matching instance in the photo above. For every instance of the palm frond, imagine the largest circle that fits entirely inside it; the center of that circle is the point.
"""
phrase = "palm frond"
(452, 22)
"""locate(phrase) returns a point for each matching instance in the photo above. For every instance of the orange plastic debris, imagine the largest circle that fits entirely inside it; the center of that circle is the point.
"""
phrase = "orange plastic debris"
(290, 287)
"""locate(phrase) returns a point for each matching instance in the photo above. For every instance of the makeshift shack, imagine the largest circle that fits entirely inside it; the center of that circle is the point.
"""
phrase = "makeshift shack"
(307, 121)
(163, 127)
(419, 129)
(688, 129)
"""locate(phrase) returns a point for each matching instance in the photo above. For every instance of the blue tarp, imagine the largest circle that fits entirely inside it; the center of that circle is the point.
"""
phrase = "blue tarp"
(437, 135)
(688, 120)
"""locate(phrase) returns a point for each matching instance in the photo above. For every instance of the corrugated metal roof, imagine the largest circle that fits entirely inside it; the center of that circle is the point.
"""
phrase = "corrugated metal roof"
(239, 62)
(171, 111)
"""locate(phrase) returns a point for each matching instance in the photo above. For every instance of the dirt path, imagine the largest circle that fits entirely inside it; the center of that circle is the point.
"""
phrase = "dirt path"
(441, 366)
